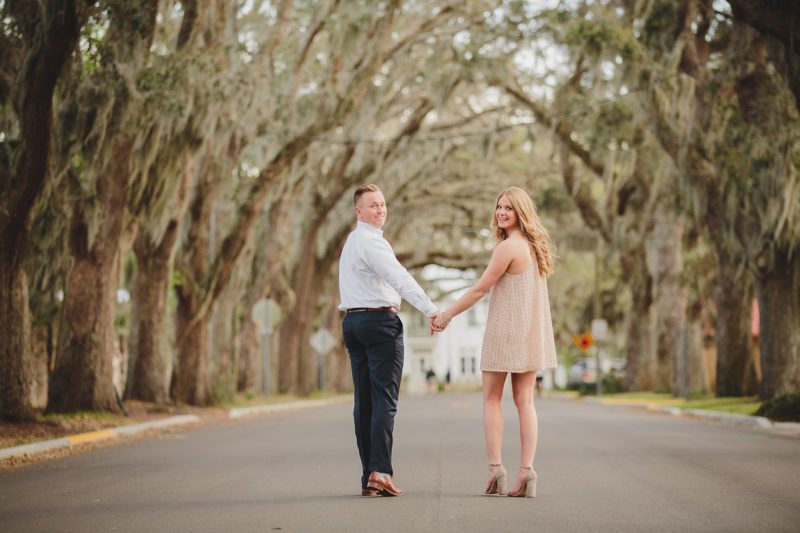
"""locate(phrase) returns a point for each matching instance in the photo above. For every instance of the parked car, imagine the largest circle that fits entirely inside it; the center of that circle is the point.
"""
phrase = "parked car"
(584, 371)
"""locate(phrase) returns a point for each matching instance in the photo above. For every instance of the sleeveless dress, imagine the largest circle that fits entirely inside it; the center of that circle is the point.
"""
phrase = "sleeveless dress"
(519, 330)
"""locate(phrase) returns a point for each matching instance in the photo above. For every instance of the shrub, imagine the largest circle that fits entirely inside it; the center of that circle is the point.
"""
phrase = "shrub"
(782, 408)
(612, 384)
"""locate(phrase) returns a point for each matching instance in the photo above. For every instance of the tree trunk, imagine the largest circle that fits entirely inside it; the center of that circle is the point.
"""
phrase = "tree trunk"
(268, 279)
(690, 374)
(223, 359)
(779, 340)
(249, 350)
(308, 360)
(309, 278)
(698, 377)
(192, 320)
(732, 296)
(192, 331)
(55, 27)
(83, 374)
(148, 364)
(640, 360)
(297, 361)
(41, 354)
(340, 377)
(666, 265)
(150, 361)
(16, 371)
(296, 357)
(779, 20)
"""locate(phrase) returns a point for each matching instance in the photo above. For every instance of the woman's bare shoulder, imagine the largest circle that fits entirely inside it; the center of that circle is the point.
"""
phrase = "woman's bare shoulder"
(515, 246)
(506, 247)
(513, 250)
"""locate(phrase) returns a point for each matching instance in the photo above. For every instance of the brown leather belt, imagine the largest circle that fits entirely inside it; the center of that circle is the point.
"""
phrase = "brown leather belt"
(390, 309)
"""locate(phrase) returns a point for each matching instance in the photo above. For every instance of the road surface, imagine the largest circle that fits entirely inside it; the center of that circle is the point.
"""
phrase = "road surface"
(601, 468)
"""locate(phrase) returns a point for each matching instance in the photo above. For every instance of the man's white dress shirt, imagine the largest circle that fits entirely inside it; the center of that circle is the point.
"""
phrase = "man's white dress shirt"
(371, 276)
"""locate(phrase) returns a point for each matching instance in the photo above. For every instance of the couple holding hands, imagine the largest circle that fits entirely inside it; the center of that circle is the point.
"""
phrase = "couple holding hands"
(518, 338)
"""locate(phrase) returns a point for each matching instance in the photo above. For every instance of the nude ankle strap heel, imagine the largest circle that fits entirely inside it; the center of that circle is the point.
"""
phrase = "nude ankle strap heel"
(499, 482)
(528, 487)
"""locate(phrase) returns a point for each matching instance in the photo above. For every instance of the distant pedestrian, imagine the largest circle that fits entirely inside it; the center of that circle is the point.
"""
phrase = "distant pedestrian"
(430, 379)
(519, 330)
(371, 283)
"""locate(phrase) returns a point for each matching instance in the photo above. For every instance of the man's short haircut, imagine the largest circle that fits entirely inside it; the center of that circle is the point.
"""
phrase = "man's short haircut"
(367, 187)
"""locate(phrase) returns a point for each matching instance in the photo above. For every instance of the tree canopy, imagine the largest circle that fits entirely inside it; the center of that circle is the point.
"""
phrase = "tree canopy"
(200, 157)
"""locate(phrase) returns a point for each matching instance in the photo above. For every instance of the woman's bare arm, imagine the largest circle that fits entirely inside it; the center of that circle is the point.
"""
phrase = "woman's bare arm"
(501, 258)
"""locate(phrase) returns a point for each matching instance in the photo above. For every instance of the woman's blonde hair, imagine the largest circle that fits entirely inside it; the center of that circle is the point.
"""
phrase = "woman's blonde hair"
(530, 226)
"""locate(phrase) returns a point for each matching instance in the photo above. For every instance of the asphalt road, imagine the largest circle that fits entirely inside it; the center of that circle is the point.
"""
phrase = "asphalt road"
(600, 468)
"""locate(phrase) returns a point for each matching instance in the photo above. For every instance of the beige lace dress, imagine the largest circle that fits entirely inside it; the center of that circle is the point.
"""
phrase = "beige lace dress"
(519, 330)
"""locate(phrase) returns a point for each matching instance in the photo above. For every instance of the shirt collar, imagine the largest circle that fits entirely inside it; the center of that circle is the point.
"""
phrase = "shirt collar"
(368, 227)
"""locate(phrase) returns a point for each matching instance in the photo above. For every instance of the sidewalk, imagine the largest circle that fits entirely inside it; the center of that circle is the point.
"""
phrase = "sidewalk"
(669, 406)
(9, 456)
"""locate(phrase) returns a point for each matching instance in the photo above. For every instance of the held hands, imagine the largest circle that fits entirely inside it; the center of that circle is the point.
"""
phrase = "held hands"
(439, 322)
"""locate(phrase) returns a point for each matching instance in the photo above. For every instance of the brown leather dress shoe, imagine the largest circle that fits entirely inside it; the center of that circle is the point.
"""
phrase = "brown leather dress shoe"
(383, 484)
(368, 492)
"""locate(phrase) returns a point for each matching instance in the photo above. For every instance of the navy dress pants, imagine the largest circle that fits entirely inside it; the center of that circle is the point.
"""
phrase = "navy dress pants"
(374, 341)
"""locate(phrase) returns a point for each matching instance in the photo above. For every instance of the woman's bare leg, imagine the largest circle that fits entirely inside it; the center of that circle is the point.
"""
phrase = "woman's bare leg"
(523, 385)
(493, 414)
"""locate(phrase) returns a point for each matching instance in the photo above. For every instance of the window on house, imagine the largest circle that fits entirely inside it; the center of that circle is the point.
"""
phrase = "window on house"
(468, 358)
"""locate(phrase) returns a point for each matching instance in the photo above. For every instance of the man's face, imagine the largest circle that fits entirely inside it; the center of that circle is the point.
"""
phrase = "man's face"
(371, 208)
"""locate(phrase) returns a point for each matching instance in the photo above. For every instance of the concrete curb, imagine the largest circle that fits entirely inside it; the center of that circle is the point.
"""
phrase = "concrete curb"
(728, 419)
(793, 427)
(241, 412)
(94, 436)
(634, 403)
(103, 434)
(731, 419)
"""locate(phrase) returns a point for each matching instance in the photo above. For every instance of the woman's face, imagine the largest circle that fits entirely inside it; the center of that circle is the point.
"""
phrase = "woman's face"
(505, 214)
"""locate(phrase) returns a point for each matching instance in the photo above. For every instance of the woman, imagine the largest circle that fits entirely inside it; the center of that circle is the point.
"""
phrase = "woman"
(519, 330)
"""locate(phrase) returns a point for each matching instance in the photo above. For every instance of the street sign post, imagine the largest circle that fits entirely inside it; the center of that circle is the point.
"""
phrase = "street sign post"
(599, 333)
(323, 342)
(265, 313)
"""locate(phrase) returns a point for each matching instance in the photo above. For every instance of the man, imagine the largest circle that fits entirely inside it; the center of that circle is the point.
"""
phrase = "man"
(371, 283)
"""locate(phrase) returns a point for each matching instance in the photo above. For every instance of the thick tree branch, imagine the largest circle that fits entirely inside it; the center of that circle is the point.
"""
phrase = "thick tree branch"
(188, 23)
(303, 56)
(34, 90)
(591, 217)
(779, 19)
(562, 128)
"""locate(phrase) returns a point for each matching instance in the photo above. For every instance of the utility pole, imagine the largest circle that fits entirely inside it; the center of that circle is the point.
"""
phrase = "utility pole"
(599, 326)
(266, 340)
